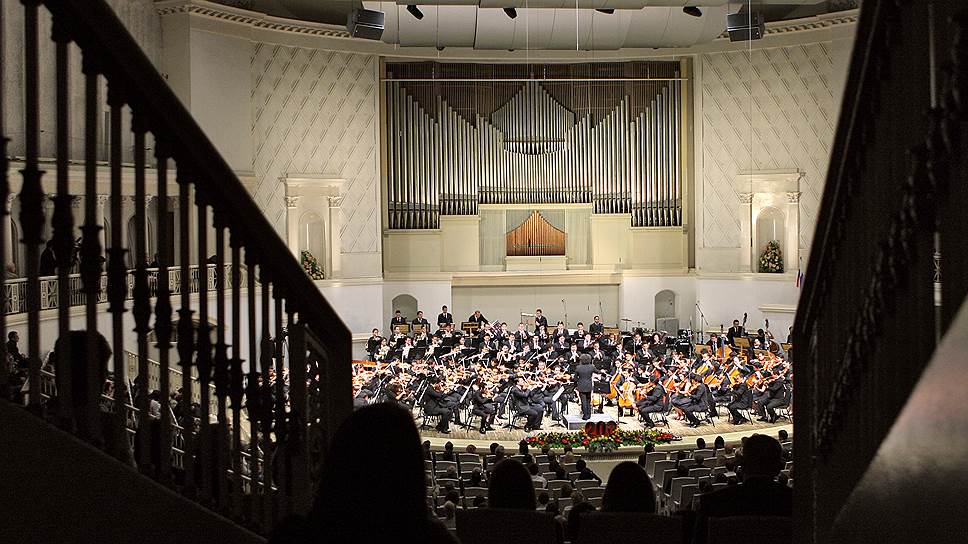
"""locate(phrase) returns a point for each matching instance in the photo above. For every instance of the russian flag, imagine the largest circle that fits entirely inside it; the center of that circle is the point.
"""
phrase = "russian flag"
(799, 277)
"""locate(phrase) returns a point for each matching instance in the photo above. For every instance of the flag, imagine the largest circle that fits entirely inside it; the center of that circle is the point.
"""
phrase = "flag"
(799, 276)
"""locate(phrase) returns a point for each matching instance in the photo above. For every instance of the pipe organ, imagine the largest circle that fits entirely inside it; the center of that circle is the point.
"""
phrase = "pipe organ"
(460, 135)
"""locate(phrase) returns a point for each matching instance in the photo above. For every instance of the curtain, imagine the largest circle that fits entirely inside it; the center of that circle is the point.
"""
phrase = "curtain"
(493, 231)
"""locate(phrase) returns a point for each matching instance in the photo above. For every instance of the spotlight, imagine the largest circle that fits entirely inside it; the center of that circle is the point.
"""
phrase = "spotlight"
(692, 11)
(415, 11)
(607, 11)
(511, 12)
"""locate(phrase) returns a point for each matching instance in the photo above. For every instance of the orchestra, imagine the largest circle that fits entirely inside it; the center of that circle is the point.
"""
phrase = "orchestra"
(483, 371)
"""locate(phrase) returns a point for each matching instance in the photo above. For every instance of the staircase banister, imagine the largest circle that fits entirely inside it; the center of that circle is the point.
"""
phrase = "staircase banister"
(93, 23)
(835, 188)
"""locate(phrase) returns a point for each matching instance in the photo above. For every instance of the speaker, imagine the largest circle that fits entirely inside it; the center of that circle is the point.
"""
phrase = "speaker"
(745, 26)
(365, 23)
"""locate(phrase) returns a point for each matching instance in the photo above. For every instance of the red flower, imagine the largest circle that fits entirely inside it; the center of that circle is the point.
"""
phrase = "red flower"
(584, 442)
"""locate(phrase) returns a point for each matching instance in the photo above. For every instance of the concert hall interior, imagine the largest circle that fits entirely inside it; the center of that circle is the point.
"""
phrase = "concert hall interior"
(353, 270)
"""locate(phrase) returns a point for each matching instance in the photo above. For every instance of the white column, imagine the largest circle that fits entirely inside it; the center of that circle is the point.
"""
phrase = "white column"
(746, 232)
(102, 200)
(292, 224)
(47, 233)
(334, 244)
(791, 253)
(127, 210)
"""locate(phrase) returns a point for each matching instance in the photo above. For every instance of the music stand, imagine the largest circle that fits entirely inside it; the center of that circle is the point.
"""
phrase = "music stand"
(470, 327)
(741, 342)
(404, 329)
(786, 347)
(418, 327)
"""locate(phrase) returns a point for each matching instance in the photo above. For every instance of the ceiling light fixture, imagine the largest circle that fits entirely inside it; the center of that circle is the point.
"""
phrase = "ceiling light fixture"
(415, 11)
(607, 11)
(511, 12)
(692, 11)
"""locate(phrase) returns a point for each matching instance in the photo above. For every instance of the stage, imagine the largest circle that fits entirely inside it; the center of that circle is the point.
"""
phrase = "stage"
(509, 438)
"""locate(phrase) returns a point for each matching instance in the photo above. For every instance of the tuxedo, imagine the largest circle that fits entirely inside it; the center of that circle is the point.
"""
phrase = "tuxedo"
(397, 321)
(651, 403)
(444, 319)
(733, 333)
(524, 406)
(596, 328)
(539, 321)
(483, 407)
(583, 383)
(480, 320)
(742, 400)
(421, 321)
(435, 404)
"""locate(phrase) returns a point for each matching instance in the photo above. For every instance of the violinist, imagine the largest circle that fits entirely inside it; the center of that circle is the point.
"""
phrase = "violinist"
(741, 399)
(521, 396)
(483, 405)
(652, 402)
(771, 398)
(698, 400)
(435, 404)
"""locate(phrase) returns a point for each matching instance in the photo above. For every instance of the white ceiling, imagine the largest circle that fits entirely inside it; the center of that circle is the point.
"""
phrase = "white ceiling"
(486, 28)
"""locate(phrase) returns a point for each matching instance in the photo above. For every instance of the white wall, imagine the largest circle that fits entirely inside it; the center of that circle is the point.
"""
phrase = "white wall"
(508, 302)
(638, 298)
(726, 299)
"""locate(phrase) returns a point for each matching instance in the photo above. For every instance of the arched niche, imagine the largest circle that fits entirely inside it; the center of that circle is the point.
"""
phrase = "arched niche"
(312, 235)
(407, 304)
(665, 311)
(132, 241)
(770, 225)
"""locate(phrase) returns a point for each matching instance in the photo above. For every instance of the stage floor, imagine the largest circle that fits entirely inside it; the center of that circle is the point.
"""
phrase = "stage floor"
(679, 428)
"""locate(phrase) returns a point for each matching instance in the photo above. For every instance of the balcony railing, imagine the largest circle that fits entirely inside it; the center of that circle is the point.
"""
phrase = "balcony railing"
(15, 290)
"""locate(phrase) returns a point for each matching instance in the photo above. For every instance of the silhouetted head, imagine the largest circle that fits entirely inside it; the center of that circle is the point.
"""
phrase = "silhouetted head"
(510, 486)
(376, 448)
(628, 490)
(762, 457)
(720, 443)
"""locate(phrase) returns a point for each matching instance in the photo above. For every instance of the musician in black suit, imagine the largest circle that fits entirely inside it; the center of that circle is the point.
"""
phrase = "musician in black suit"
(579, 332)
(421, 320)
(596, 327)
(561, 344)
(573, 356)
(652, 402)
(478, 317)
(539, 320)
(773, 395)
(714, 342)
(697, 402)
(521, 336)
(435, 403)
(734, 332)
(521, 395)
(397, 319)
(373, 344)
(444, 318)
(742, 399)
(758, 495)
(583, 384)
(483, 407)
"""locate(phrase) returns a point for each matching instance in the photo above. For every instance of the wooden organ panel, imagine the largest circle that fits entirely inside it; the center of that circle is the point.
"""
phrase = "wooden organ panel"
(536, 236)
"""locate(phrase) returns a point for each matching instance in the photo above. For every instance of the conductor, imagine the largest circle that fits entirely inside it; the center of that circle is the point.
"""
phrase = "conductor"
(583, 383)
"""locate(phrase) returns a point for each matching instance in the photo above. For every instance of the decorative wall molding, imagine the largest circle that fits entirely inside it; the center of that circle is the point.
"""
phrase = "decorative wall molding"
(251, 18)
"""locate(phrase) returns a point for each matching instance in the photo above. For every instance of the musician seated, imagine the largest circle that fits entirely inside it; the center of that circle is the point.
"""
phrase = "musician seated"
(597, 327)
(483, 406)
(521, 396)
(651, 402)
(572, 357)
(741, 399)
(435, 404)
(522, 336)
(562, 345)
(579, 332)
(585, 343)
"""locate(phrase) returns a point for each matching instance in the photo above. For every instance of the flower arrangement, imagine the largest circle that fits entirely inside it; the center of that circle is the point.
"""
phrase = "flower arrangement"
(311, 266)
(602, 442)
(772, 259)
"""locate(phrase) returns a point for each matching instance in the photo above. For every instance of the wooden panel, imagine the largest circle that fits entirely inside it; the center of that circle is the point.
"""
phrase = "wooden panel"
(535, 237)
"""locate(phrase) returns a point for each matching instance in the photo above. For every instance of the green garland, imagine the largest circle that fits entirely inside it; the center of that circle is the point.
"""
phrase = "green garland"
(771, 260)
(311, 266)
(604, 442)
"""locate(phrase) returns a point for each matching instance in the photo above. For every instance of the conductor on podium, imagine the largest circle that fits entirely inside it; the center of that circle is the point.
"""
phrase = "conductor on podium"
(583, 383)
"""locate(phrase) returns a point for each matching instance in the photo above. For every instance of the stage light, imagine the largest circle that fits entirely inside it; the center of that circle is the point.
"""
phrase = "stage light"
(511, 12)
(692, 11)
(415, 11)
(607, 11)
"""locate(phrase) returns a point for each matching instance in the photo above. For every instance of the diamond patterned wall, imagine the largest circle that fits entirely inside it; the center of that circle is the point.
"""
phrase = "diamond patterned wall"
(776, 112)
(315, 112)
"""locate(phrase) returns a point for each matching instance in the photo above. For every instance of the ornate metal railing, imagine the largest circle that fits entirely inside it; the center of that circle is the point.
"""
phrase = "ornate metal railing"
(15, 290)
(288, 327)
(868, 319)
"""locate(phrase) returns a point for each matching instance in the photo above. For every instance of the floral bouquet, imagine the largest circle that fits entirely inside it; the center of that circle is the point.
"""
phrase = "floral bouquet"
(311, 266)
(771, 260)
(605, 442)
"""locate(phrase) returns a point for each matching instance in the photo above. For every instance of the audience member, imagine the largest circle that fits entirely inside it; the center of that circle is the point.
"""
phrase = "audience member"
(719, 443)
(681, 472)
(475, 478)
(649, 448)
(480, 501)
(448, 454)
(585, 473)
(471, 448)
(510, 487)
(568, 457)
(784, 435)
(537, 476)
(347, 510)
(428, 455)
(700, 443)
(759, 494)
(642, 460)
(574, 519)
(628, 490)
(543, 499)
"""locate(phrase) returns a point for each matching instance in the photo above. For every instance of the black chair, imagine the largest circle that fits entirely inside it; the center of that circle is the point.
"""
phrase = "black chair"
(749, 530)
(500, 526)
(596, 527)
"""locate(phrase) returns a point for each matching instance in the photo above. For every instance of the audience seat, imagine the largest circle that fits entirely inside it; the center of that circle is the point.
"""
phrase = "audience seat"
(650, 460)
(538, 484)
(442, 466)
(686, 495)
(706, 454)
(593, 492)
(700, 471)
(469, 458)
(584, 484)
(659, 467)
(555, 485)
(442, 482)
(598, 527)
(472, 492)
(660, 477)
(499, 526)
(749, 529)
